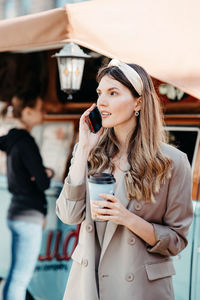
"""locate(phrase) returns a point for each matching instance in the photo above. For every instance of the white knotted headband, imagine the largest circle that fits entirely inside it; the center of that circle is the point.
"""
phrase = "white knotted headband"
(130, 74)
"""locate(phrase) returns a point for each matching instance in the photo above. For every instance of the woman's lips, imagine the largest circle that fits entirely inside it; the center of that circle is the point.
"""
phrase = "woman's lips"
(105, 114)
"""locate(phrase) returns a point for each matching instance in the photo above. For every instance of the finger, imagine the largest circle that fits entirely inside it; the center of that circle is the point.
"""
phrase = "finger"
(87, 112)
(100, 132)
(103, 211)
(98, 208)
(109, 197)
(102, 204)
(105, 218)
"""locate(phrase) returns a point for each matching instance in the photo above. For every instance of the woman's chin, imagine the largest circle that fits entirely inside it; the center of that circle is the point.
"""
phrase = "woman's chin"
(107, 125)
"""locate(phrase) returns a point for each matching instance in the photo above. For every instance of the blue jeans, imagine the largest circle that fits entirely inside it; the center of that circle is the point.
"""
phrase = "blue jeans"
(26, 241)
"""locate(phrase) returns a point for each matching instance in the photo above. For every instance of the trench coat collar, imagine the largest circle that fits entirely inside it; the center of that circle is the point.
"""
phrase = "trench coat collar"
(111, 227)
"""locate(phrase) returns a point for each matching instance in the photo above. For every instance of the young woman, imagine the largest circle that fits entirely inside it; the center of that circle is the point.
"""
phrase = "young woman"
(127, 257)
(27, 180)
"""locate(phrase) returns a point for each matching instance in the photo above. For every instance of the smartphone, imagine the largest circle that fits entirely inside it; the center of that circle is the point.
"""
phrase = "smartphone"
(94, 120)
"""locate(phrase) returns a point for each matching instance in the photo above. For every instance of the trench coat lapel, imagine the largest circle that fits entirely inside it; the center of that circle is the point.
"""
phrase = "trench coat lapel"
(111, 227)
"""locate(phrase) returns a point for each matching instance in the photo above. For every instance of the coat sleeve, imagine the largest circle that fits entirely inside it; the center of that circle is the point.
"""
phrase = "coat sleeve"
(32, 160)
(70, 205)
(171, 236)
(3, 142)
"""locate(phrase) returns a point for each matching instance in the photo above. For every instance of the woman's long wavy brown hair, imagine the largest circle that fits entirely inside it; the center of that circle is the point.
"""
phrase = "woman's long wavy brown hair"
(149, 167)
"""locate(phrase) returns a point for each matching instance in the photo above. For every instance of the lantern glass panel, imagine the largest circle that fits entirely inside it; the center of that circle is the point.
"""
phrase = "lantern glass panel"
(70, 72)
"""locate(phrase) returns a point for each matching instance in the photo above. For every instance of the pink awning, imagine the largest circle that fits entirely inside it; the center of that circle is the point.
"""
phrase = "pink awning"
(162, 36)
(45, 30)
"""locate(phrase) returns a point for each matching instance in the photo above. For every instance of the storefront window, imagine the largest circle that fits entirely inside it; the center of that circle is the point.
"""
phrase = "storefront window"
(62, 3)
(10, 10)
(25, 7)
(185, 139)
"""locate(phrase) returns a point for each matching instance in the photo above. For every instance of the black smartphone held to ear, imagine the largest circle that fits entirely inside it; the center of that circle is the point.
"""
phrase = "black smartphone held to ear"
(94, 120)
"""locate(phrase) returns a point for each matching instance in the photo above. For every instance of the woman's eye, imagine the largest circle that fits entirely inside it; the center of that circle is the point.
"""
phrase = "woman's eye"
(113, 93)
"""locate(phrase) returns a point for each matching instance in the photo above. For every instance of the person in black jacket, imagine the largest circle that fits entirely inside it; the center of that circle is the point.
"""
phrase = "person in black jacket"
(27, 181)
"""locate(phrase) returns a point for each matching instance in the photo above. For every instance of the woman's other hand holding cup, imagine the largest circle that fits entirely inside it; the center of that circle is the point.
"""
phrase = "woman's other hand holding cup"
(110, 209)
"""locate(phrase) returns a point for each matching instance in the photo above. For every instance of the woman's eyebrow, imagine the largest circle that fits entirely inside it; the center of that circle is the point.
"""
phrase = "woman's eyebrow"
(112, 88)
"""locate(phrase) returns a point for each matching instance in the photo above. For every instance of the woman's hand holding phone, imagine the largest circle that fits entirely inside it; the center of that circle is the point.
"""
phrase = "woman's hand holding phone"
(94, 120)
(87, 138)
(87, 141)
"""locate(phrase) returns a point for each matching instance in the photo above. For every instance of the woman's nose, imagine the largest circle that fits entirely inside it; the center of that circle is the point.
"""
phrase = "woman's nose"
(101, 100)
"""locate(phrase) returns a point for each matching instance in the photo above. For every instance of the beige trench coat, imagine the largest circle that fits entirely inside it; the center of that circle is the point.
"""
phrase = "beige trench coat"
(128, 268)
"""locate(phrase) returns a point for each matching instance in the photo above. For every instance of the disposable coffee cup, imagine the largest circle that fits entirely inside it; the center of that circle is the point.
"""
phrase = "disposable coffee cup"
(100, 183)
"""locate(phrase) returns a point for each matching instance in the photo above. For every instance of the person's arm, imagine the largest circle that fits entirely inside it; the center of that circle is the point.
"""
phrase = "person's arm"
(70, 206)
(170, 237)
(113, 210)
(50, 172)
(141, 228)
(3, 142)
(32, 160)
(87, 140)
(76, 174)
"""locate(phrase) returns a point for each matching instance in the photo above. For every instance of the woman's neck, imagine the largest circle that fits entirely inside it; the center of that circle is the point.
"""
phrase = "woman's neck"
(123, 135)
(24, 126)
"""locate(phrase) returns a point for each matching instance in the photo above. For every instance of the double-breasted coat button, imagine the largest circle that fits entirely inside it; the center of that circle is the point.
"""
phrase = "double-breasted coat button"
(131, 240)
(89, 228)
(130, 277)
(138, 206)
(84, 262)
(104, 276)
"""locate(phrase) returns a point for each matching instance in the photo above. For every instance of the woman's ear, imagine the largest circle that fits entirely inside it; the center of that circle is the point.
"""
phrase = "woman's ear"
(138, 104)
(26, 112)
